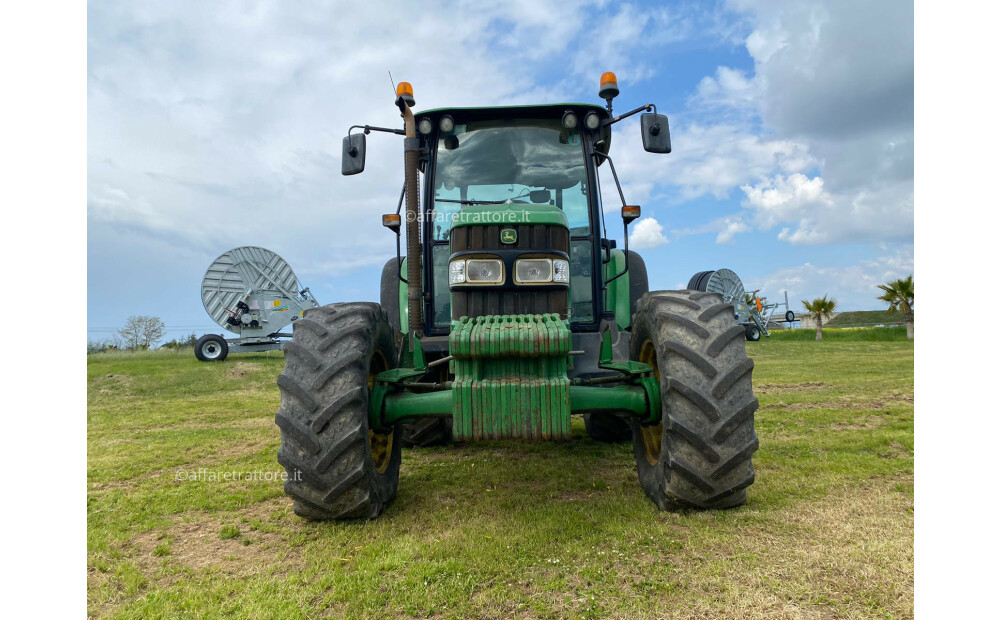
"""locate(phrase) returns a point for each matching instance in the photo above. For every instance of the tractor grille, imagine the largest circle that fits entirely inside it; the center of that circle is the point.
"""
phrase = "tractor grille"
(516, 300)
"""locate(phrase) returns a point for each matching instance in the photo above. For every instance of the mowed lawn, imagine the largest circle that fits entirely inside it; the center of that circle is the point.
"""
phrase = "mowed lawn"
(504, 529)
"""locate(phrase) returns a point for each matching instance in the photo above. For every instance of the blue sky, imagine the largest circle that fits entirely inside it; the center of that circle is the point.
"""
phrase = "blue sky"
(215, 125)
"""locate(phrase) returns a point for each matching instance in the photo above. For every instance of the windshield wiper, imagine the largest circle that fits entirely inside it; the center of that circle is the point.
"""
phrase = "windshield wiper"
(471, 202)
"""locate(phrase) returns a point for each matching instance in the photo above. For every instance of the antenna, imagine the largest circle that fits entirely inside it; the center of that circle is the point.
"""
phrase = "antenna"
(391, 82)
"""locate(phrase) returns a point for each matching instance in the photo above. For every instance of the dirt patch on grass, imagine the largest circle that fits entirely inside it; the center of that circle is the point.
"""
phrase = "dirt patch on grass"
(111, 384)
(235, 451)
(847, 555)
(902, 396)
(862, 424)
(240, 370)
(238, 544)
(775, 388)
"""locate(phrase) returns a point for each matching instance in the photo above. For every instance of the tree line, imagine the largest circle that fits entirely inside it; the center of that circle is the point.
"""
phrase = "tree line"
(140, 333)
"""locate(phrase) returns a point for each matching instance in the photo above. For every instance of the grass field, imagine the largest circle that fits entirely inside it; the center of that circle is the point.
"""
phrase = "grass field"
(842, 334)
(501, 530)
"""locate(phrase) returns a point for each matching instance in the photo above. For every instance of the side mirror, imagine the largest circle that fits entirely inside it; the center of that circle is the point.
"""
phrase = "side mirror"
(630, 213)
(655, 133)
(353, 154)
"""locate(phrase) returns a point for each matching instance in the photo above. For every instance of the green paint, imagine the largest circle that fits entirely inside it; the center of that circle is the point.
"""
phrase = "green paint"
(617, 297)
(618, 398)
(510, 377)
(403, 405)
(511, 382)
(508, 214)
(627, 400)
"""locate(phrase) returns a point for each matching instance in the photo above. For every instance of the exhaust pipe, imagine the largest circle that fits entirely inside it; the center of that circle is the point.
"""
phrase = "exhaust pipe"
(411, 148)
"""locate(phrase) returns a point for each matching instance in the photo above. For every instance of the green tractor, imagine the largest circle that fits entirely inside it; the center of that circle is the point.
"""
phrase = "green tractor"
(510, 312)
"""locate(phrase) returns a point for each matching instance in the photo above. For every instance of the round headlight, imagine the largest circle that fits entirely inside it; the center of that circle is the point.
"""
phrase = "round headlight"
(569, 119)
(447, 124)
(425, 126)
(592, 120)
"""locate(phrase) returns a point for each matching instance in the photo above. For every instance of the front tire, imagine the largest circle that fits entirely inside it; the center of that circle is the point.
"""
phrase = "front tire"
(699, 455)
(752, 333)
(338, 468)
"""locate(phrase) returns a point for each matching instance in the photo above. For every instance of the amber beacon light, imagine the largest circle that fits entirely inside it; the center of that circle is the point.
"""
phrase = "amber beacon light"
(405, 91)
(609, 86)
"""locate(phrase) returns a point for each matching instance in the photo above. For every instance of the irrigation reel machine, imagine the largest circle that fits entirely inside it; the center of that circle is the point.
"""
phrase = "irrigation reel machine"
(252, 292)
(751, 310)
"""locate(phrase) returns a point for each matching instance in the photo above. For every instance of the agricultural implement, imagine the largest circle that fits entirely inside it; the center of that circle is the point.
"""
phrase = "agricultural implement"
(750, 310)
(510, 311)
(252, 292)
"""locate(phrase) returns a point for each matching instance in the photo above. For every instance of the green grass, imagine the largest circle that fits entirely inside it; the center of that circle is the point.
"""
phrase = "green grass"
(501, 529)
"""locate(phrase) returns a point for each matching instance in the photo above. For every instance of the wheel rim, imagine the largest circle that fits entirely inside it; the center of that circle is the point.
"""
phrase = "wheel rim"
(211, 350)
(650, 435)
(380, 445)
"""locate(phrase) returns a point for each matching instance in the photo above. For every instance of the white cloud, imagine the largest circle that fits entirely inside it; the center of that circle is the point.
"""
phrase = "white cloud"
(816, 216)
(781, 199)
(706, 159)
(853, 286)
(646, 233)
(731, 227)
(726, 229)
(833, 88)
(730, 88)
(833, 69)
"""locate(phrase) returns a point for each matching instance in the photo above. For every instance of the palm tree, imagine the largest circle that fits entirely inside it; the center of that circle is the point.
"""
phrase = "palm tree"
(819, 309)
(899, 295)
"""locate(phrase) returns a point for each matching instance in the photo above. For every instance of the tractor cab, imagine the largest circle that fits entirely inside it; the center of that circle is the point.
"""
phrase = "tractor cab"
(518, 182)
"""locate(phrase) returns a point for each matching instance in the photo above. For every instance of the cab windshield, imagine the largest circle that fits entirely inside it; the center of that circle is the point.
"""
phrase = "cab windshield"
(518, 161)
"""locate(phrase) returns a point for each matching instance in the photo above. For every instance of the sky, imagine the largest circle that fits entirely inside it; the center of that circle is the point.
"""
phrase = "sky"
(217, 125)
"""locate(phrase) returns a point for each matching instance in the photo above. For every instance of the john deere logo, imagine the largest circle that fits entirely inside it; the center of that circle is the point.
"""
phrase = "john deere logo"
(508, 236)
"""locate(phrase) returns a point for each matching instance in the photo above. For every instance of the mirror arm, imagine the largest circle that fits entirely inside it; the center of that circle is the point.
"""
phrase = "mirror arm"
(614, 174)
(643, 108)
(370, 128)
(621, 194)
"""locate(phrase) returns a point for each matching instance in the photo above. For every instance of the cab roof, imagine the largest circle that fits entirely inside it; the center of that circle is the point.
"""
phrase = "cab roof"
(551, 110)
(546, 111)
